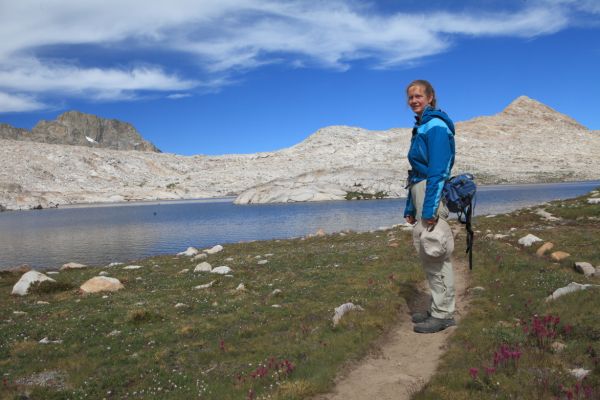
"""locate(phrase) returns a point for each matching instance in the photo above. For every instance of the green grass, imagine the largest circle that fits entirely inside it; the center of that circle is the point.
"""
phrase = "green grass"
(516, 283)
(228, 344)
(223, 344)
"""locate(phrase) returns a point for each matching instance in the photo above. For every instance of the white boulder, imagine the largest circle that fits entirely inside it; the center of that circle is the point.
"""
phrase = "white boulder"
(47, 341)
(214, 249)
(579, 373)
(203, 267)
(570, 288)
(529, 240)
(29, 278)
(189, 252)
(593, 200)
(114, 264)
(130, 267)
(342, 310)
(205, 286)
(72, 265)
(223, 270)
(495, 236)
(546, 215)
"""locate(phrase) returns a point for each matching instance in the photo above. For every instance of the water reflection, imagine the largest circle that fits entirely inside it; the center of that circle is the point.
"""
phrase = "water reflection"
(100, 235)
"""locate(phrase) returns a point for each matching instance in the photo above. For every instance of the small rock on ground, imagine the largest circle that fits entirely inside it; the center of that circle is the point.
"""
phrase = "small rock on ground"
(101, 284)
(214, 249)
(222, 270)
(559, 255)
(585, 268)
(189, 252)
(72, 265)
(342, 310)
(544, 248)
(203, 267)
(529, 239)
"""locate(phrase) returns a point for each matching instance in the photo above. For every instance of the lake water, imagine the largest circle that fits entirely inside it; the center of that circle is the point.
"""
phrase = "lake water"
(102, 234)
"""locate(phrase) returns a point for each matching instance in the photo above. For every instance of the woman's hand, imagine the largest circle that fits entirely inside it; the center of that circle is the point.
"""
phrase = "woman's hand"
(430, 221)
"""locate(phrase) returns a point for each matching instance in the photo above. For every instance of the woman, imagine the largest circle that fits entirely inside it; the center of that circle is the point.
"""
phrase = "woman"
(431, 157)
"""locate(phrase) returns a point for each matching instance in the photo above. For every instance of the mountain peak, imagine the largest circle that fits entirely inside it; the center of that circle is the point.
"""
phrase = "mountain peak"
(524, 102)
(524, 107)
(81, 129)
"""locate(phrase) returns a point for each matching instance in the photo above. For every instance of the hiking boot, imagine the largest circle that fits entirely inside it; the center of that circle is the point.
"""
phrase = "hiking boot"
(419, 317)
(432, 325)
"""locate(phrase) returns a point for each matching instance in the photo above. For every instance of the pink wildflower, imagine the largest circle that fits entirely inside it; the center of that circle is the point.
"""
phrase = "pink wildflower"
(474, 372)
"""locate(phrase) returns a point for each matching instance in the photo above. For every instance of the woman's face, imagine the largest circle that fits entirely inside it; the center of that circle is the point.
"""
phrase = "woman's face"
(417, 99)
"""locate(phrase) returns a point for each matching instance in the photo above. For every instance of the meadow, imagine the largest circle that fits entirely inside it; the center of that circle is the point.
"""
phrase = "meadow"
(266, 331)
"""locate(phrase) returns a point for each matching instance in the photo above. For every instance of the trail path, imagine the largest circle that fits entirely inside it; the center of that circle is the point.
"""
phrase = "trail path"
(404, 360)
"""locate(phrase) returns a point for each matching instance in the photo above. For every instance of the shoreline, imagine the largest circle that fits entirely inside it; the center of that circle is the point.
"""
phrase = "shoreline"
(224, 199)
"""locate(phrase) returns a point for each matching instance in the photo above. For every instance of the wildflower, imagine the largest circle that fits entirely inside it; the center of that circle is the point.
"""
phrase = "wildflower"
(474, 372)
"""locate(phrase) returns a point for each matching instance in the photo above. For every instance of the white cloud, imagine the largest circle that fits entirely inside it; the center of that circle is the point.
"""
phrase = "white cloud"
(18, 103)
(225, 36)
(585, 6)
(528, 23)
(31, 75)
(177, 96)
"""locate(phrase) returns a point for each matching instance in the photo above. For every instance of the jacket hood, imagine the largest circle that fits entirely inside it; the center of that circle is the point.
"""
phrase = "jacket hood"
(430, 113)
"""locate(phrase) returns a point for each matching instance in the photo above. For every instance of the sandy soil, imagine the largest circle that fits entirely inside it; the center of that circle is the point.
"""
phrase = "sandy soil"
(404, 361)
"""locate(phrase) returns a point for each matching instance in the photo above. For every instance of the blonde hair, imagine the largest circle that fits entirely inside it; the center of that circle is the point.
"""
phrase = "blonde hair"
(429, 91)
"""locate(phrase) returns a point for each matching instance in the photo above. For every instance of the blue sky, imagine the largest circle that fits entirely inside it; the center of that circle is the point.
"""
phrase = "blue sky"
(233, 76)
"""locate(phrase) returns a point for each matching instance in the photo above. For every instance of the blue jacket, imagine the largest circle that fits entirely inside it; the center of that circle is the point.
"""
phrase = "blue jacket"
(431, 157)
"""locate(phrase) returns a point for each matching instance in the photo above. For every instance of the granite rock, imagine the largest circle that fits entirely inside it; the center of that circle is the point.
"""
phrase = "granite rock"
(585, 268)
(22, 286)
(559, 256)
(101, 284)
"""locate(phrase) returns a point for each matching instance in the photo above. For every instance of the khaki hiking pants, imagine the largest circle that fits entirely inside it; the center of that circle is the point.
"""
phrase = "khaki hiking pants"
(435, 250)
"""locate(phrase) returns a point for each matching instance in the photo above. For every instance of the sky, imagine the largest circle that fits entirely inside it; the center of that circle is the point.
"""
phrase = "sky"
(243, 76)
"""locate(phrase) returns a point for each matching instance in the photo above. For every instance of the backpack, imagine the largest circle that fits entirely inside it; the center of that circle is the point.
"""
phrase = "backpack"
(459, 193)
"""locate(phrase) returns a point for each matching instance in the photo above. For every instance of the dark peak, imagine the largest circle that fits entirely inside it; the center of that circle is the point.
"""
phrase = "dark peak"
(74, 115)
(81, 129)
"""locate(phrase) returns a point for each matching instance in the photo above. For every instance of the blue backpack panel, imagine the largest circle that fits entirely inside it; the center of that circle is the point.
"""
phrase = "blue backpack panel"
(459, 193)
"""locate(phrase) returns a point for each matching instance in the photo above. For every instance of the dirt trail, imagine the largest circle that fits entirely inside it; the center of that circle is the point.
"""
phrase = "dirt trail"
(404, 361)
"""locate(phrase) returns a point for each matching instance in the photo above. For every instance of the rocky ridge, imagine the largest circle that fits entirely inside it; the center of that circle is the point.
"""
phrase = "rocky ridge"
(76, 128)
(528, 142)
